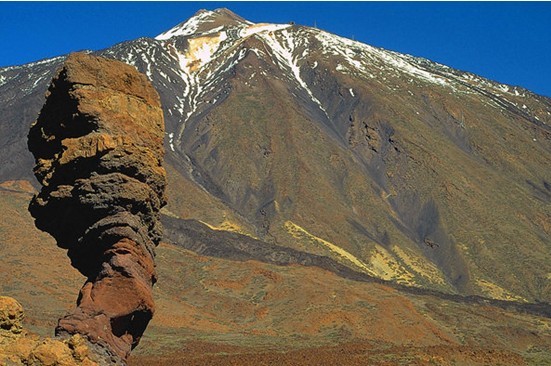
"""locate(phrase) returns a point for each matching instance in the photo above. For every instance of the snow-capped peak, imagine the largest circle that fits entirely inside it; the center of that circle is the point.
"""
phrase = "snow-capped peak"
(188, 27)
(206, 34)
(205, 47)
(204, 22)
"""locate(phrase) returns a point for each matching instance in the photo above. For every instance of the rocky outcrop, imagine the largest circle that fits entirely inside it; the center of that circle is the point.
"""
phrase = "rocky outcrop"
(19, 347)
(98, 145)
(11, 315)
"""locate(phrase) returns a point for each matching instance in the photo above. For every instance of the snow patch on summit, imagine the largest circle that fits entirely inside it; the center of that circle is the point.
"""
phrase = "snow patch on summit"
(261, 27)
(187, 28)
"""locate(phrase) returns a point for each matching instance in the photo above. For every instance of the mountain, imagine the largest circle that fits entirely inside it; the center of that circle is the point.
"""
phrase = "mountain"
(331, 163)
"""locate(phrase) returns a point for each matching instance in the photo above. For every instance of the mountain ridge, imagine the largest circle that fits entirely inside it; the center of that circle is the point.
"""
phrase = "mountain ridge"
(363, 102)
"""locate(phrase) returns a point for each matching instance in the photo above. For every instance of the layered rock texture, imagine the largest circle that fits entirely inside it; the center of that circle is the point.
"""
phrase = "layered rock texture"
(98, 145)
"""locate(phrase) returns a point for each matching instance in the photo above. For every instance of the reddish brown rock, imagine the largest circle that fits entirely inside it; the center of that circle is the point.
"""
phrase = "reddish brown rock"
(98, 145)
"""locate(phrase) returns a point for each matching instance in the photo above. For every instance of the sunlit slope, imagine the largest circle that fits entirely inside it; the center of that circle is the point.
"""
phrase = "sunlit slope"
(395, 166)
(397, 173)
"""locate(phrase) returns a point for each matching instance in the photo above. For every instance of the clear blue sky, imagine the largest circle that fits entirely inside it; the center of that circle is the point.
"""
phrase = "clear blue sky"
(508, 42)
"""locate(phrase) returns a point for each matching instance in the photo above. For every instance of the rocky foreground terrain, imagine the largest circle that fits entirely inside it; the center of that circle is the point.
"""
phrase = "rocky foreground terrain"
(326, 200)
(19, 347)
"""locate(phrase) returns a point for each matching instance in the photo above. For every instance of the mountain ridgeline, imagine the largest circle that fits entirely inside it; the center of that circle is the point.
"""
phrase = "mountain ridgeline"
(334, 153)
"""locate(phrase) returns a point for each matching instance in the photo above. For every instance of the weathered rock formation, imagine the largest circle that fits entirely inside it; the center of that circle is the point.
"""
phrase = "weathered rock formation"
(19, 347)
(11, 315)
(98, 145)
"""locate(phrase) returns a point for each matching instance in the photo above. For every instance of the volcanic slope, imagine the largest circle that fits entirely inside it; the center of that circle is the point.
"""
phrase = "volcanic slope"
(215, 311)
(393, 166)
